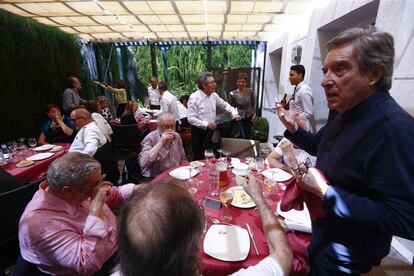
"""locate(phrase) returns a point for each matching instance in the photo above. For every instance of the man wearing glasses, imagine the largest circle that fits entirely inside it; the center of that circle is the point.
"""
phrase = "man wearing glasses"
(90, 137)
(162, 148)
(365, 153)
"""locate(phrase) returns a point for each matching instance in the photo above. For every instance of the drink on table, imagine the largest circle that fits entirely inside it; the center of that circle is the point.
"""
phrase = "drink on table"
(223, 176)
(227, 154)
(226, 198)
(208, 155)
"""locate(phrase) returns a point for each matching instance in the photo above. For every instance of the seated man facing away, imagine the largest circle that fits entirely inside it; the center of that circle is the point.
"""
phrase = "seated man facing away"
(183, 111)
(162, 148)
(161, 227)
(281, 156)
(68, 227)
(90, 137)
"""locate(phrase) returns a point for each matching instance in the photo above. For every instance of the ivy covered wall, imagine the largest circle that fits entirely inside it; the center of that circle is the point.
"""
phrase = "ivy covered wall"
(35, 61)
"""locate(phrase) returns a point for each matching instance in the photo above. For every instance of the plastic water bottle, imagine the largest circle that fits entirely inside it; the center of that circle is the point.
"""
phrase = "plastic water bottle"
(213, 178)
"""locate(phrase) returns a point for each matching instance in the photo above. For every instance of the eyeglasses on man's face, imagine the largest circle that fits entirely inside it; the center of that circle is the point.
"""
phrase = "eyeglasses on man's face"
(75, 119)
(167, 126)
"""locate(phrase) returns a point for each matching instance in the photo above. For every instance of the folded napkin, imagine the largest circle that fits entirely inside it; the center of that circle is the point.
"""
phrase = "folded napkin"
(297, 220)
(183, 173)
(294, 197)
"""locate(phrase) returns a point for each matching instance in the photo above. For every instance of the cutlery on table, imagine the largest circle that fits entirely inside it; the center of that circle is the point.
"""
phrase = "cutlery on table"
(252, 237)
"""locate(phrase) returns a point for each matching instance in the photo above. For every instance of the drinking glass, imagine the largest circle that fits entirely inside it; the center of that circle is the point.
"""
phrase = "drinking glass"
(208, 155)
(21, 141)
(226, 197)
(12, 145)
(190, 170)
(227, 155)
(32, 142)
(220, 152)
(259, 165)
(269, 185)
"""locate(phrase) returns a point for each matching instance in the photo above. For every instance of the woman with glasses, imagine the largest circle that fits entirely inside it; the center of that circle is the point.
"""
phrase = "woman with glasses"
(58, 129)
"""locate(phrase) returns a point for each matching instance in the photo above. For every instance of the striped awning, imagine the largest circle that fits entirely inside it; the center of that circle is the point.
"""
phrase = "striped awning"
(175, 20)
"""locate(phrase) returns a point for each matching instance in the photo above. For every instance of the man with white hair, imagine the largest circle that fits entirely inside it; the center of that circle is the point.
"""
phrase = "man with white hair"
(162, 148)
(68, 227)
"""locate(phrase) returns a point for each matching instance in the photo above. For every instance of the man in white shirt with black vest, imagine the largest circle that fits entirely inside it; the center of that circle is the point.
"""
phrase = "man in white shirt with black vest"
(202, 112)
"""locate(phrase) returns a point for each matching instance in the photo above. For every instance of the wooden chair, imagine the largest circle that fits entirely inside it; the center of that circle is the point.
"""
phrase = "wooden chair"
(241, 148)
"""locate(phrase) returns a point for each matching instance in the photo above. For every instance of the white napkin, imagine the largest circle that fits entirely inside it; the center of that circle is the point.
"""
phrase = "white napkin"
(183, 173)
(297, 220)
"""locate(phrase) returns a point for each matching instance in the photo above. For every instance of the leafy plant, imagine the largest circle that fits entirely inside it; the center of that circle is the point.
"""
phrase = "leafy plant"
(260, 129)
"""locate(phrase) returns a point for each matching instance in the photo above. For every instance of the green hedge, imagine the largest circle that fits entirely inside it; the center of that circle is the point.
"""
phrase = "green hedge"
(35, 62)
(260, 129)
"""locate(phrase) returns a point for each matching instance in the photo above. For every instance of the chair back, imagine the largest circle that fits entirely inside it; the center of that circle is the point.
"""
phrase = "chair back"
(131, 172)
(126, 136)
(109, 166)
(12, 204)
(24, 268)
(241, 148)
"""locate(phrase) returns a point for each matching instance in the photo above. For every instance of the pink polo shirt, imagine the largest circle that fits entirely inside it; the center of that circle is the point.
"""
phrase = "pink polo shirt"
(63, 239)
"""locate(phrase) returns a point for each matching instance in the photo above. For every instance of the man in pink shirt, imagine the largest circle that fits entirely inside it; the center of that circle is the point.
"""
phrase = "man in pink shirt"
(162, 148)
(68, 227)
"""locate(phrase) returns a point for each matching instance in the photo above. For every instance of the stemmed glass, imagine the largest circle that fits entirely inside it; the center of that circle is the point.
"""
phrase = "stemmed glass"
(32, 142)
(12, 145)
(208, 155)
(220, 151)
(269, 185)
(226, 197)
(227, 155)
(259, 165)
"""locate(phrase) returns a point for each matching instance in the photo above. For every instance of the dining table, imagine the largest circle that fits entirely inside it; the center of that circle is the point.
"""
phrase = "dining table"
(299, 241)
(36, 170)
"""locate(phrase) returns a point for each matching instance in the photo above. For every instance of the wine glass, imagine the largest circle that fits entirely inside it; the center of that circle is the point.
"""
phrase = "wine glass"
(12, 145)
(269, 185)
(259, 164)
(32, 142)
(208, 155)
(220, 152)
(190, 172)
(226, 197)
(227, 155)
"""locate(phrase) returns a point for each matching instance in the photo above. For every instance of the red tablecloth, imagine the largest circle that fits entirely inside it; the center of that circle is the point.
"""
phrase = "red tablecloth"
(299, 241)
(38, 169)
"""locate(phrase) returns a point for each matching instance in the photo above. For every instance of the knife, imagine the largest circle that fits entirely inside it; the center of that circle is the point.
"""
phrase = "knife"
(252, 237)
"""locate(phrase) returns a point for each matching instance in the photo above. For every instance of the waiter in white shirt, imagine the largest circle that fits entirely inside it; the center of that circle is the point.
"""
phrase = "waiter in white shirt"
(202, 112)
(154, 94)
(168, 101)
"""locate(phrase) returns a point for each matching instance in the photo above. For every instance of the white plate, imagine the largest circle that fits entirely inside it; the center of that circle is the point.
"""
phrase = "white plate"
(227, 243)
(277, 174)
(236, 172)
(44, 147)
(238, 191)
(183, 173)
(197, 164)
(297, 220)
(40, 156)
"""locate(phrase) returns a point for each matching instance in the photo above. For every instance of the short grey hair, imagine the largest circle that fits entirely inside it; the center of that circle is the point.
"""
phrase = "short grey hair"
(72, 169)
(165, 115)
(202, 79)
(372, 48)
